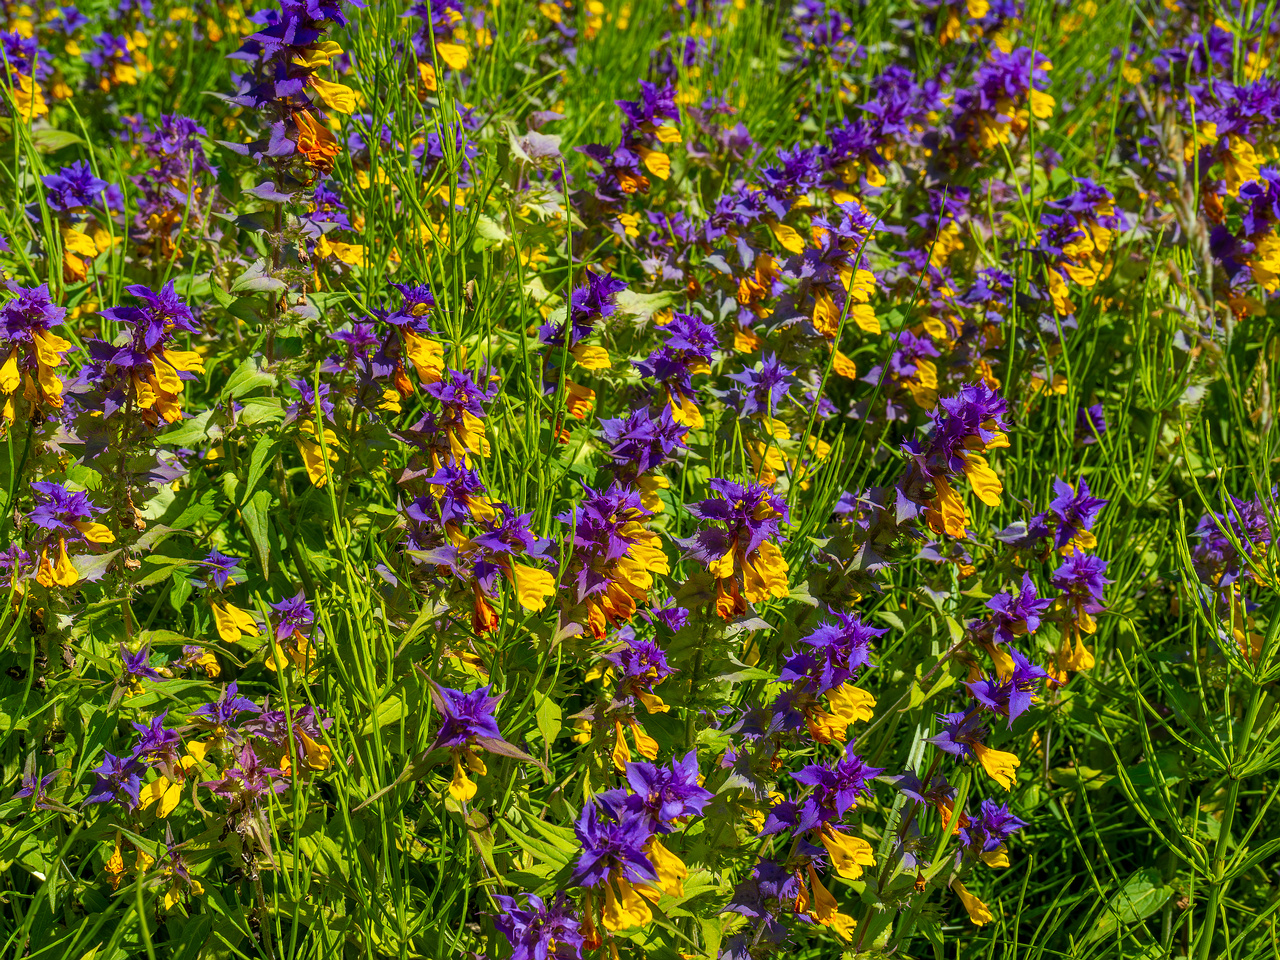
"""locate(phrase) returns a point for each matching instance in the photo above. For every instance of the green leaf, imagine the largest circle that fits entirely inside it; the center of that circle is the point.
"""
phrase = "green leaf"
(548, 717)
(258, 460)
(224, 299)
(390, 711)
(562, 837)
(258, 410)
(247, 378)
(49, 140)
(257, 523)
(1142, 895)
(189, 432)
(540, 849)
(162, 568)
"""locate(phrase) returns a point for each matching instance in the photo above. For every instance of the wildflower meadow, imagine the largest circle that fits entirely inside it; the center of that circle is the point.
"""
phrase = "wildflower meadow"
(639, 479)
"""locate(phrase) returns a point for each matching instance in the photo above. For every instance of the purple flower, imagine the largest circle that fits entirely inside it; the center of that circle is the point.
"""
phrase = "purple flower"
(137, 665)
(539, 931)
(665, 794)
(294, 616)
(416, 301)
(32, 309)
(690, 343)
(762, 390)
(670, 616)
(119, 780)
(1011, 696)
(221, 714)
(157, 745)
(994, 825)
(640, 660)
(975, 414)
(1081, 578)
(163, 312)
(1090, 424)
(600, 534)
(62, 509)
(224, 571)
(1076, 511)
(960, 731)
(587, 306)
(612, 847)
(456, 487)
(465, 715)
(655, 104)
(249, 782)
(837, 651)
(937, 790)
(1016, 616)
(835, 789)
(640, 442)
(763, 896)
(75, 188)
(1224, 540)
(745, 516)
(34, 786)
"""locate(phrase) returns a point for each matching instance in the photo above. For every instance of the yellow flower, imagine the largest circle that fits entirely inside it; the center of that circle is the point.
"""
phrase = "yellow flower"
(1000, 766)
(977, 910)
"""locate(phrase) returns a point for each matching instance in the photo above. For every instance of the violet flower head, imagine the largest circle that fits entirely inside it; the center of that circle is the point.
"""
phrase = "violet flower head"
(640, 441)
(762, 390)
(457, 391)
(416, 301)
(835, 788)
(991, 828)
(688, 349)
(508, 533)
(221, 714)
(762, 896)
(642, 661)
(154, 323)
(670, 616)
(222, 571)
(119, 780)
(745, 516)
(1017, 616)
(32, 309)
(294, 616)
(975, 414)
(612, 847)
(656, 103)
(74, 189)
(936, 790)
(249, 782)
(157, 744)
(62, 509)
(600, 534)
(1076, 511)
(137, 666)
(1224, 541)
(587, 306)
(836, 652)
(1090, 424)
(35, 786)
(464, 716)
(457, 487)
(960, 731)
(1011, 696)
(665, 794)
(1081, 578)
(539, 931)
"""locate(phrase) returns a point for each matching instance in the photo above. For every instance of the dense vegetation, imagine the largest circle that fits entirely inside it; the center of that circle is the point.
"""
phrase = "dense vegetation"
(665, 479)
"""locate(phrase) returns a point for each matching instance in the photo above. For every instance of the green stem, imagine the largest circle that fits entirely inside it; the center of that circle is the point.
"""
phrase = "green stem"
(1218, 886)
